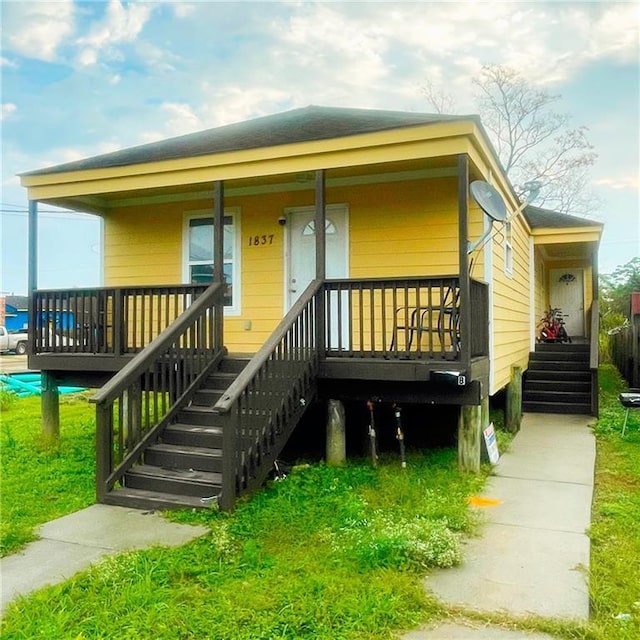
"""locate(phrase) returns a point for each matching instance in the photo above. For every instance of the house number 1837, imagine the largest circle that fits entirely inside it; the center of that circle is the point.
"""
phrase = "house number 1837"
(257, 241)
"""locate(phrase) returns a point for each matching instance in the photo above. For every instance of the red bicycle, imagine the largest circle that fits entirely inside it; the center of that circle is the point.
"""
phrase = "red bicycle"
(553, 329)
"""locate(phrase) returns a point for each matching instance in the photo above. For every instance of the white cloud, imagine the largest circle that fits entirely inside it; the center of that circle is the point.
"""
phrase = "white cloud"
(120, 24)
(234, 103)
(37, 29)
(620, 182)
(5, 62)
(326, 41)
(7, 109)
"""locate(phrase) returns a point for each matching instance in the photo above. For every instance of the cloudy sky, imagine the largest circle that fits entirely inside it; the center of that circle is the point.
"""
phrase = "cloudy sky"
(84, 78)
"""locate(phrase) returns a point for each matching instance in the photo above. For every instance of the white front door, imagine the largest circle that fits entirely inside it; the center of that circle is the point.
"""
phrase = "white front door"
(301, 248)
(566, 292)
(301, 252)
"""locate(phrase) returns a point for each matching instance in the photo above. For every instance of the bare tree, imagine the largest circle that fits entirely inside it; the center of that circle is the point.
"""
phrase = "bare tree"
(440, 101)
(533, 141)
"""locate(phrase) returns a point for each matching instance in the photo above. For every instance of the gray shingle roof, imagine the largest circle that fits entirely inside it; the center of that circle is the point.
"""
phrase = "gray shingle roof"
(545, 218)
(299, 125)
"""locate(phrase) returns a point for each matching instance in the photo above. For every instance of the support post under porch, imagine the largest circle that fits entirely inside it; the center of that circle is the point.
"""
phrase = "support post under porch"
(50, 404)
(336, 433)
(513, 409)
(473, 420)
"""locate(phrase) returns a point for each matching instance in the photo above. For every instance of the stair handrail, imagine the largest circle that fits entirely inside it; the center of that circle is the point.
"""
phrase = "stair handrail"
(133, 407)
(224, 404)
(268, 398)
(594, 356)
(141, 360)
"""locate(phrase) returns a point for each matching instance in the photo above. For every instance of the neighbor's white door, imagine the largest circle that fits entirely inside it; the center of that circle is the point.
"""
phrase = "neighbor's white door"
(566, 291)
(301, 254)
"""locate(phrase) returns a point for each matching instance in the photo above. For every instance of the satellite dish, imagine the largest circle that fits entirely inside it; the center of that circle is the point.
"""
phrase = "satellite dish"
(489, 200)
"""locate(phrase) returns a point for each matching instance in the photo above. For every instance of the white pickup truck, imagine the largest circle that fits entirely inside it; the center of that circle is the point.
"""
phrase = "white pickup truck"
(13, 342)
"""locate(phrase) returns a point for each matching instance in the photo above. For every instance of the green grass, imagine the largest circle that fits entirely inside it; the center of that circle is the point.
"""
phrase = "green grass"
(615, 530)
(40, 481)
(328, 553)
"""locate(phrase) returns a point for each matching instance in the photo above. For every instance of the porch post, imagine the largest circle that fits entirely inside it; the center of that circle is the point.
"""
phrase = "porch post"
(218, 255)
(32, 275)
(320, 221)
(463, 268)
(321, 267)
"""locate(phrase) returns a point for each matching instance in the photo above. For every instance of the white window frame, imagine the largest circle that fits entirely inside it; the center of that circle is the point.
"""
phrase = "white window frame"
(508, 248)
(236, 283)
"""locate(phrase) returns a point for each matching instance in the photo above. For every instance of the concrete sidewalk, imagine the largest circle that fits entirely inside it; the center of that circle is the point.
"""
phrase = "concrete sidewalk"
(71, 543)
(532, 557)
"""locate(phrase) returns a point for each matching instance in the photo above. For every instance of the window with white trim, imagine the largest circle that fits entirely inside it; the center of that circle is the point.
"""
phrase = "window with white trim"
(199, 252)
(508, 249)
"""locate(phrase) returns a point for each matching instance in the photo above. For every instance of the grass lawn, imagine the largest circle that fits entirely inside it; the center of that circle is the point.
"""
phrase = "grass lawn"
(328, 553)
(42, 482)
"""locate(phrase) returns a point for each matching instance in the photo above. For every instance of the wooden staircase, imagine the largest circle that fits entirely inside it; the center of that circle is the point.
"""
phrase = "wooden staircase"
(185, 464)
(558, 379)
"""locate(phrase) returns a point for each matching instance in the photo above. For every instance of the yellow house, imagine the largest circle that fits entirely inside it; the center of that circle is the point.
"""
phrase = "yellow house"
(328, 254)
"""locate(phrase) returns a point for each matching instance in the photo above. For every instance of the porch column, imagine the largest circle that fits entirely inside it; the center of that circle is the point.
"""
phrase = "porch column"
(320, 222)
(321, 267)
(218, 255)
(32, 273)
(463, 267)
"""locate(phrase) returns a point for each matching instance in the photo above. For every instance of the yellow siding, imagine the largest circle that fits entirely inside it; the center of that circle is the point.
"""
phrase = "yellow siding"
(416, 234)
(511, 306)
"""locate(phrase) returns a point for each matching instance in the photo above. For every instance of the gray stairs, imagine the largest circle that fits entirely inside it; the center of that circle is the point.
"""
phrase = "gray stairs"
(185, 465)
(558, 379)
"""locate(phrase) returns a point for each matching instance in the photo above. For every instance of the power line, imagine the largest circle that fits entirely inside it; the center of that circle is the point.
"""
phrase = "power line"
(84, 217)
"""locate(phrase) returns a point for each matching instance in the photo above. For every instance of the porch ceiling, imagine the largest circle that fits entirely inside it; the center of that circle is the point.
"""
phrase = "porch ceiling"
(567, 251)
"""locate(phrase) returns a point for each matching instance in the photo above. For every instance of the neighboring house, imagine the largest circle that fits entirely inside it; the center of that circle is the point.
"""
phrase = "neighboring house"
(338, 243)
(16, 315)
(16, 312)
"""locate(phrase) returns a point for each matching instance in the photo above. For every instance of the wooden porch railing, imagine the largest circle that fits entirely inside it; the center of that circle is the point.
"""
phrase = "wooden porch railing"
(106, 320)
(268, 398)
(134, 406)
(404, 318)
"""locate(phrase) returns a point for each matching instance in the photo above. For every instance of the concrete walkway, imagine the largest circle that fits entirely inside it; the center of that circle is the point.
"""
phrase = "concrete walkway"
(533, 553)
(71, 543)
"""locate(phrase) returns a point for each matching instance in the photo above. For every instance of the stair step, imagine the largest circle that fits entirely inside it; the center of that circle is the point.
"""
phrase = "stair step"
(220, 380)
(234, 363)
(177, 481)
(173, 456)
(544, 375)
(562, 346)
(570, 397)
(151, 500)
(557, 365)
(207, 397)
(193, 435)
(200, 415)
(556, 407)
(578, 386)
(556, 356)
